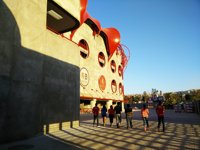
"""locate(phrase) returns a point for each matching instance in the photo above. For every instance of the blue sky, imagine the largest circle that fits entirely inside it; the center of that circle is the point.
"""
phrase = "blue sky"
(163, 37)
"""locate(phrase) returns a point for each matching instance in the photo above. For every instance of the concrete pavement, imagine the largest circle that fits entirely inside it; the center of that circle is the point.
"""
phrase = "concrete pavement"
(182, 132)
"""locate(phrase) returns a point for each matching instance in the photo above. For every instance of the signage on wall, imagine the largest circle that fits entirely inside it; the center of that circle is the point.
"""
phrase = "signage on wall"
(102, 83)
(84, 77)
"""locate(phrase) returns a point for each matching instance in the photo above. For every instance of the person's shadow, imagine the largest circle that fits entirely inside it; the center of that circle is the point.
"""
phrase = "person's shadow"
(35, 89)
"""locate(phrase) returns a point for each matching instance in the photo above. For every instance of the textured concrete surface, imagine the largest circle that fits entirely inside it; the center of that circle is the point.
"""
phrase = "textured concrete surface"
(182, 132)
(39, 72)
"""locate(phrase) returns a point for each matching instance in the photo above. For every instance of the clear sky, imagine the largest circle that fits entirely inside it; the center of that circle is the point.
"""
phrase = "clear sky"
(163, 37)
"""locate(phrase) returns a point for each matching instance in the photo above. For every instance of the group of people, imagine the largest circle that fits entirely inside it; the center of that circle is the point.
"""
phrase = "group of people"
(117, 110)
(111, 112)
(160, 114)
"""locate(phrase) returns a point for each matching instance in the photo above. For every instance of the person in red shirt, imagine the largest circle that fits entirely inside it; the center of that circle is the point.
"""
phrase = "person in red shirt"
(145, 116)
(160, 109)
(111, 113)
(95, 111)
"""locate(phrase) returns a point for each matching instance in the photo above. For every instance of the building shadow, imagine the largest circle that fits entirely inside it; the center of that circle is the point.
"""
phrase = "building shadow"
(35, 89)
(177, 136)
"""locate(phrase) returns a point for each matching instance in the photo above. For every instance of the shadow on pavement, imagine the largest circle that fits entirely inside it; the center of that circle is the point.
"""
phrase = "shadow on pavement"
(178, 135)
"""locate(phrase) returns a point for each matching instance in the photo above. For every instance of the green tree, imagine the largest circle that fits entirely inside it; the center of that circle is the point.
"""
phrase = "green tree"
(175, 98)
(145, 97)
(167, 95)
(136, 98)
(188, 97)
(195, 94)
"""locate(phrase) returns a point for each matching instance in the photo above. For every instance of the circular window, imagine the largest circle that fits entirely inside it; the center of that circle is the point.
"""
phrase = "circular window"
(101, 59)
(84, 51)
(113, 66)
(120, 70)
(120, 88)
(114, 86)
(102, 82)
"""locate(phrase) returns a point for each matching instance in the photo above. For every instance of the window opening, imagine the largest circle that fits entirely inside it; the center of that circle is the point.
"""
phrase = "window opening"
(113, 66)
(84, 51)
(101, 59)
(120, 70)
(114, 86)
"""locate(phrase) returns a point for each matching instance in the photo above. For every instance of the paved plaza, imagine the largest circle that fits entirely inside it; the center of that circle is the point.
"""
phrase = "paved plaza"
(182, 132)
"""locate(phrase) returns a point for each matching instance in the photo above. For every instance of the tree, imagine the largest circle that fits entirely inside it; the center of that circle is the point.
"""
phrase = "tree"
(168, 100)
(145, 97)
(175, 98)
(135, 99)
(195, 94)
(167, 95)
(188, 97)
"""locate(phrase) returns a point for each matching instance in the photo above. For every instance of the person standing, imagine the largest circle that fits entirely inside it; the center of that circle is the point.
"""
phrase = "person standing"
(104, 114)
(129, 116)
(160, 113)
(145, 116)
(118, 110)
(95, 111)
(111, 113)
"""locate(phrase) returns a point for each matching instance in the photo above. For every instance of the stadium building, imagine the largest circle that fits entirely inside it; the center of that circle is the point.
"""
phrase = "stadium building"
(54, 59)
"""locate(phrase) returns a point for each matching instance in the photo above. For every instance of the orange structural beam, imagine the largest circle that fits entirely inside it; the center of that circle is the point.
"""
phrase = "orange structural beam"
(125, 57)
(83, 6)
(97, 98)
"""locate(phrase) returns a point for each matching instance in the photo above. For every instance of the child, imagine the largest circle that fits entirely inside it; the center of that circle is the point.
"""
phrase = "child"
(145, 116)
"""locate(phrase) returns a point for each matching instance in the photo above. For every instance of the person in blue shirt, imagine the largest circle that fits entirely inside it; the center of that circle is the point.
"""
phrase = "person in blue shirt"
(104, 114)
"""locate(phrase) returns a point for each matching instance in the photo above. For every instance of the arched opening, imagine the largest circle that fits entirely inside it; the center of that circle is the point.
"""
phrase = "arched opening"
(114, 86)
(101, 59)
(84, 51)
(113, 66)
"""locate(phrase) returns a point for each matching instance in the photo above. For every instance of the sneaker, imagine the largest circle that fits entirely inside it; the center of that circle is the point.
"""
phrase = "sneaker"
(145, 129)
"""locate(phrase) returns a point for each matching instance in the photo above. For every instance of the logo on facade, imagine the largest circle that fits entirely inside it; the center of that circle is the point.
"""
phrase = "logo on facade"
(84, 77)
(102, 83)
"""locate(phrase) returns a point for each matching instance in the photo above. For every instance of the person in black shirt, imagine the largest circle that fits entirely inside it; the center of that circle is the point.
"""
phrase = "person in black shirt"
(129, 116)
(118, 110)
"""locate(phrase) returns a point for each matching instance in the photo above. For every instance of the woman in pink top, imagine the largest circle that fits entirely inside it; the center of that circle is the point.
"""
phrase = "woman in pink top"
(145, 116)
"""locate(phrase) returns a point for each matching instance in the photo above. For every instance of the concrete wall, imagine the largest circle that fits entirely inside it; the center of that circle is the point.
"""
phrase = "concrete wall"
(39, 73)
(71, 6)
